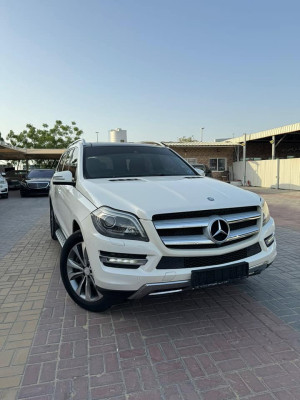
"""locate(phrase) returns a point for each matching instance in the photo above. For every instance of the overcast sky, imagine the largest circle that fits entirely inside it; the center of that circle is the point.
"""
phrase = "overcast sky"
(159, 68)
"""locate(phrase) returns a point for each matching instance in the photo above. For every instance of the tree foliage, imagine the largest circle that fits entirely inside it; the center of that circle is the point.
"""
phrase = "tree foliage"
(186, 139)
(60, 136)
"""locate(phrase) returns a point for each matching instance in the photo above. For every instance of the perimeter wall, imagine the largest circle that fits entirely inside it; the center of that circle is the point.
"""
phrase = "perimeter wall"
(280, 173)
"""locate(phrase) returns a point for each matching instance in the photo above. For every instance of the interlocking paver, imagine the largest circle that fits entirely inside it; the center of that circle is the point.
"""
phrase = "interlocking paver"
(227, 342)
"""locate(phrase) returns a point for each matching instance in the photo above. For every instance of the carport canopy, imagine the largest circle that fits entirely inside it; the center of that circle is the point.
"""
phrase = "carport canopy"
(9, 152)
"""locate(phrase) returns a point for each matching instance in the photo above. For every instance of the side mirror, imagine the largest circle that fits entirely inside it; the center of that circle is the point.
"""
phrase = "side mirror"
(63, 178)
(200, 171)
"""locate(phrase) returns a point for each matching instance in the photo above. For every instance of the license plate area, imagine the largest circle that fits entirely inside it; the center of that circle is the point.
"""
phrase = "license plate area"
(214, 276)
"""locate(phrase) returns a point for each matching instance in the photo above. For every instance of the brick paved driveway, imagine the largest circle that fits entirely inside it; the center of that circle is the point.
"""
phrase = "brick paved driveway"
(237, 341)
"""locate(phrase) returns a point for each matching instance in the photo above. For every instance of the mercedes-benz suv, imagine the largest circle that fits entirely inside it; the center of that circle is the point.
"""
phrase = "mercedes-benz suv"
(136, 220)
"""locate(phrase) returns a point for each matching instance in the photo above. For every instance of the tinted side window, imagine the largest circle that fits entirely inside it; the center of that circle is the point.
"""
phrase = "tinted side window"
(61, 163)
(74, 162)
(66, 166)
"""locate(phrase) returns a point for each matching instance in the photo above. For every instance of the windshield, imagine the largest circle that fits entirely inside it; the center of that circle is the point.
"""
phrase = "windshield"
(132, 161)
(41, 173)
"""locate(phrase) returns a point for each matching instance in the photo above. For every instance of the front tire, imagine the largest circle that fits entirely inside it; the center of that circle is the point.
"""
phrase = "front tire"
(77, 276)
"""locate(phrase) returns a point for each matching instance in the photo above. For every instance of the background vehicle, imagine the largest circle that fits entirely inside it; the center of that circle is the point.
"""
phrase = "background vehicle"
(14, 177)
(36, 182)
(3, 187)
(136, 220)
(204, 168)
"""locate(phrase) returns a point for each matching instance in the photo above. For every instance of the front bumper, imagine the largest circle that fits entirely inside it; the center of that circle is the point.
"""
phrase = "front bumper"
(154, 289)
(29, 191)
(127, 279)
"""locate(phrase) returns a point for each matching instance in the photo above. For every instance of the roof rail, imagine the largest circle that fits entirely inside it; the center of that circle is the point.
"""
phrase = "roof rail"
(154, 143)
(78, 140)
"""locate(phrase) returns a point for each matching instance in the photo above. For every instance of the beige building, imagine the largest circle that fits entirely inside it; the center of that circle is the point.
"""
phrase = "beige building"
(218, 156)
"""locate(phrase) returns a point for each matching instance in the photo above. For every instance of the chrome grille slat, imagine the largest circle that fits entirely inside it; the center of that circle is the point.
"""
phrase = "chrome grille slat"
(194, 231)
(204, 222)
(202, 239)
(185, 240)
(181, 223)
(231, 219)
(244, 232)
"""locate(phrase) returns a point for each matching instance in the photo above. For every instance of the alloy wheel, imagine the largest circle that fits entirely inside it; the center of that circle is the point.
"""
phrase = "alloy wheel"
(80, 274)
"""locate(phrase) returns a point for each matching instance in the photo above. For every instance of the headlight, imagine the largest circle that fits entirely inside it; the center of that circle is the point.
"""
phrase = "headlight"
(118, 224)
(265, 210)
(23, 183)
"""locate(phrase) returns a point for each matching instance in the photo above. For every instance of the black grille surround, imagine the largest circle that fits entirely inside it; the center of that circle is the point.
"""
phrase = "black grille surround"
(208, 261)
(202, 213)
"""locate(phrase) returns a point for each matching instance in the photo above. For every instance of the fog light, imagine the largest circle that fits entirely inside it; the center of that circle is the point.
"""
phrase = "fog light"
(269, 240)
(121, 260)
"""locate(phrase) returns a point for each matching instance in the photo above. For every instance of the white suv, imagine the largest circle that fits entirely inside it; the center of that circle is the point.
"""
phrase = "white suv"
(137, 220)
(3, 186)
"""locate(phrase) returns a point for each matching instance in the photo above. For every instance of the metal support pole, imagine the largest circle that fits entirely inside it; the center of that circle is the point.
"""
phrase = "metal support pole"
(27, 166)
(244, 160)
(273, 147)
(278, 173)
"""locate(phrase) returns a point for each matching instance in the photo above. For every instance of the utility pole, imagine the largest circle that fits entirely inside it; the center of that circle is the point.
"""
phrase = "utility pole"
(97, 135)
(202, 129)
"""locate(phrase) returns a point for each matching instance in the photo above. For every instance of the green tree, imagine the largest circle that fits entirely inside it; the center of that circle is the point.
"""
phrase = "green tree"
(60, 136)
(186, 139)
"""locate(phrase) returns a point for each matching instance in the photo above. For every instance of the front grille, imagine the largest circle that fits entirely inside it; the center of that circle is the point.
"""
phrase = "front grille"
(37, 185)
(190, 230)
(208, 261)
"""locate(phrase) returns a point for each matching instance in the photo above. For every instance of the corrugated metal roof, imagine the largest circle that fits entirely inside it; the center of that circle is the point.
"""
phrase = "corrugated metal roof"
(199, 144)
(271, 132)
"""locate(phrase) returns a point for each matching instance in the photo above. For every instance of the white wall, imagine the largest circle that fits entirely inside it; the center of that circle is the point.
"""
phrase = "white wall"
(289, 174)
(284, 174)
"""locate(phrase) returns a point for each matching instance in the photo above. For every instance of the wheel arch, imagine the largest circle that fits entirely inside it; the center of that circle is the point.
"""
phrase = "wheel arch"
(75, 226)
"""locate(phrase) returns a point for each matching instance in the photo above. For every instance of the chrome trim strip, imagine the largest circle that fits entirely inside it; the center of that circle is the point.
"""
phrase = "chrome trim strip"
(166, 292)
(160, 286)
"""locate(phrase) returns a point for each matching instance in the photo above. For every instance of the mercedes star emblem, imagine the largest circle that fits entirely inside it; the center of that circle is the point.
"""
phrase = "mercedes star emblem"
(219, 230)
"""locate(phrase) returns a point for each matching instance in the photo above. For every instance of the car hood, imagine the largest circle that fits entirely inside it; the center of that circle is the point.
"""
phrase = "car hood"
(148, 196)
